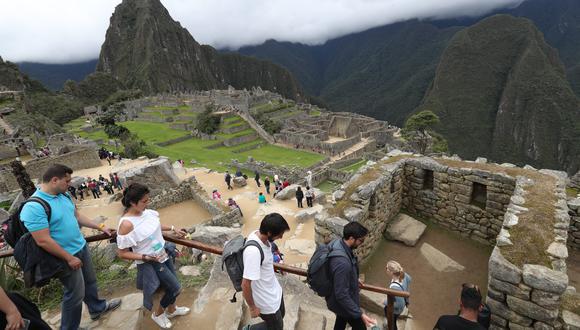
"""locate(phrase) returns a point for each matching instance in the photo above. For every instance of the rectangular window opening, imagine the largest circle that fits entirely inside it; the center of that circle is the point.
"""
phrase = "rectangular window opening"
(479, 195)
(428, 180)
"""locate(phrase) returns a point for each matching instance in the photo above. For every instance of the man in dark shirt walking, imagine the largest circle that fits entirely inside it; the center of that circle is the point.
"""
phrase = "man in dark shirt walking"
(344, 299)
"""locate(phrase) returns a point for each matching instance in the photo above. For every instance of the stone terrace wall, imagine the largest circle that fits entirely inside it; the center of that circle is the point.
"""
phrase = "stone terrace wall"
(374, 204)
(574, 230)
(448, 200)
(529, 296)
(7, 180)
(77, 160)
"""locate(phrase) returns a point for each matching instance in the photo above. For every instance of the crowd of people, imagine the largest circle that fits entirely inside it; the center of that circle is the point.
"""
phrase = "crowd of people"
(96, 187)
(140, 239)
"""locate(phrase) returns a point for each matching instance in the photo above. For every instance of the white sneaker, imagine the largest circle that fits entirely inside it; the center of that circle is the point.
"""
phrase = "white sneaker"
(179, 311)
(161, 320)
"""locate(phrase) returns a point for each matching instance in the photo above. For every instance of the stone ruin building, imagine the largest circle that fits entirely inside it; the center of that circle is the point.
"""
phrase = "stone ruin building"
(522, 213)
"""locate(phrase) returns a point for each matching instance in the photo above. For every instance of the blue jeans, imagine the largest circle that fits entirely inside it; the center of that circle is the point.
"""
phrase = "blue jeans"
(80, 285)
(168, 281)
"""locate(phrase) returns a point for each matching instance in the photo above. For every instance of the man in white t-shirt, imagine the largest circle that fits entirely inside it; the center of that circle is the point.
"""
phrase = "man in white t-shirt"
(260, 287)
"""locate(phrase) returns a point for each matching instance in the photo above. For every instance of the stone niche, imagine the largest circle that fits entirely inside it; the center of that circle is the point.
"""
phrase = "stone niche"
(482, 202)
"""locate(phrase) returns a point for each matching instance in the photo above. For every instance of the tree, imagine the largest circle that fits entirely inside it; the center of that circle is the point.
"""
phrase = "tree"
(207, 122)
(418, 130)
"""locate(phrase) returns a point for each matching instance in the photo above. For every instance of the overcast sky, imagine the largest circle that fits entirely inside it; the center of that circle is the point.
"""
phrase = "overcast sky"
(67, 31)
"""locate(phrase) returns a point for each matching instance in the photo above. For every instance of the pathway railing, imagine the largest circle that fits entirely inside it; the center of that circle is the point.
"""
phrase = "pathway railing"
(391, 294)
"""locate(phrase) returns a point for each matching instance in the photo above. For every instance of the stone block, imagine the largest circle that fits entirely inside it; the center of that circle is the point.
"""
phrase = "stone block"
(406, 229)
(542, 326)
(571, 320)
(545, 279)
(495, 319)
(531, 310)
(502, 269)
(546, 299)
(239, 182)
(503, 311)
(520, 291)
(353, 214)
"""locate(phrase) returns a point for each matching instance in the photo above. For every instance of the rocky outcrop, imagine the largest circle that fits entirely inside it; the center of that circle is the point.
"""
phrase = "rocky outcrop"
(146, 49)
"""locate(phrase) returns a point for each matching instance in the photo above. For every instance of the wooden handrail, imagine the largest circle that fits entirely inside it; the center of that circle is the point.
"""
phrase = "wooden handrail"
(391, 294)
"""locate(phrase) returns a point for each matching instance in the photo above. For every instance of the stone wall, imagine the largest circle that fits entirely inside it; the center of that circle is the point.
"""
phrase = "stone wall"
(529, 295)
(373, 204)
(575, 181)
(84, 157)
(7, 180)
(157, 174)
(172, 196)
(448, 199)
(339, 176)
(239, 140)
(173, 141)
(574, 230)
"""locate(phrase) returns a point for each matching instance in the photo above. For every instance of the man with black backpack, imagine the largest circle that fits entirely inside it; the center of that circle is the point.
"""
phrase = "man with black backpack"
(260, 287)
(61, 237)
(343, 271)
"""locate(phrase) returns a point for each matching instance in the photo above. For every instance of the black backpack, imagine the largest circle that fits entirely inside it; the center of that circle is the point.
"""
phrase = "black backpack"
(233, 259)
(318, 274)
(13, 228)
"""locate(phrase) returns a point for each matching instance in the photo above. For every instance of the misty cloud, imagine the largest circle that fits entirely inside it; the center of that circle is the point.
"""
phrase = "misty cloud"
(66, 31)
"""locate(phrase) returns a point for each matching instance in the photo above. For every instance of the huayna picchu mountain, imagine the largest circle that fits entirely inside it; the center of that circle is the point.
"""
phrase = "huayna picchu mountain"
(501, 92)
(146, 49)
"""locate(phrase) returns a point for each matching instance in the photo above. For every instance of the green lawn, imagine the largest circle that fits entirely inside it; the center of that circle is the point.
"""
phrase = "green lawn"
(181, 107)
(328, 186)
(153, 132)
(217, 159)
(354, 167)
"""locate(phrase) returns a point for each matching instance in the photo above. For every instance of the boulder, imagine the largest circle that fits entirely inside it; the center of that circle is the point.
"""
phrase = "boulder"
(372, 301)
(116, 268)
(338, 195)
(288, 192)
(239, 181)
(353, 214)
(302, 246)
(406, 229)
(190, 270)
(216, 236)
(308, 213)
(438, 260)
(108, 252)
(319, 196)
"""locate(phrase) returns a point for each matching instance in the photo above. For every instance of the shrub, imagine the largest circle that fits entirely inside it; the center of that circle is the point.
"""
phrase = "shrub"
(207, 122)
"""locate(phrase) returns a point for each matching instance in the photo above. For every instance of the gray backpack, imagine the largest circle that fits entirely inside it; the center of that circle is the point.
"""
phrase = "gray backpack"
(233, 259)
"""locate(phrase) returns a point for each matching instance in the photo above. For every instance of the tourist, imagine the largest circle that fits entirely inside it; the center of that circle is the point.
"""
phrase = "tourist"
(233, 205)
(309, 178)
(309, 196)
(260, 287)
(81, 190)
(228, 179)
(117, 182)
(400, 281)
(112, 179)
(344, 299)
(140, 238)
(109, 158)
(239, 173)
(285, 184)
(267, 185)
(469, 307)
(299, 196)
(257, 178)
(261, 198)
(14, 308)
(93, 189)
(73, 191)
(216, 195)
(63, 238)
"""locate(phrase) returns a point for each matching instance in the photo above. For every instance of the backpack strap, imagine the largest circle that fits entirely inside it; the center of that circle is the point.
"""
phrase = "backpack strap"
(256, 244)
(40, 201)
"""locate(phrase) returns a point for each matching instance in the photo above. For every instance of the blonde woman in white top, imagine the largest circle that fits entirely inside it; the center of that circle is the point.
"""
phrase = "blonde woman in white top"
(140, 238)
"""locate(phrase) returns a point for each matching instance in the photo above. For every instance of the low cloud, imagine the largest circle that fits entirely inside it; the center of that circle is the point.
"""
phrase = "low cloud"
(66, 31)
